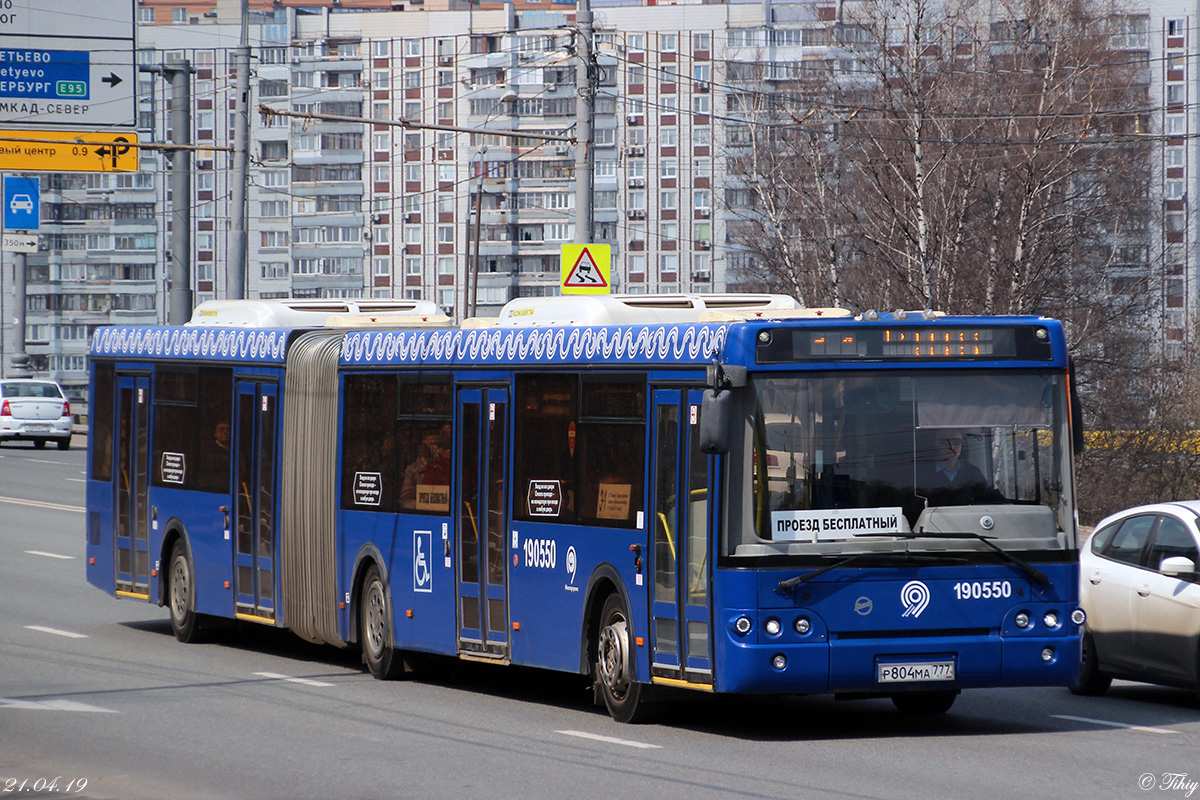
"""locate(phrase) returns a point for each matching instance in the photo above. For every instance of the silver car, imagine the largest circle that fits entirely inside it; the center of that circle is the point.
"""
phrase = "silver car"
(34, 410)
(1141, 592)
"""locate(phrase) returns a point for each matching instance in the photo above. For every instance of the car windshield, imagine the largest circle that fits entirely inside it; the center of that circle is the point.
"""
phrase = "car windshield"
(30, 389)
(834, 464)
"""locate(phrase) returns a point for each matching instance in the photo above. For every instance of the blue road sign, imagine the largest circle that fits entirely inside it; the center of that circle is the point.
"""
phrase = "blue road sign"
(22, 198)
(36, 74)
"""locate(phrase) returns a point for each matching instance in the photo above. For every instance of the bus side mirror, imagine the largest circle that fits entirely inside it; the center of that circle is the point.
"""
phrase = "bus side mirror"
(716, 422)
(1077, 437)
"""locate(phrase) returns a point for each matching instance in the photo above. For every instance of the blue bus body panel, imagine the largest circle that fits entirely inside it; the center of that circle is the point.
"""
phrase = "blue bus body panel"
(547, 600)
(101, 566)
(199, 515)
(861, 618)
(430, 597)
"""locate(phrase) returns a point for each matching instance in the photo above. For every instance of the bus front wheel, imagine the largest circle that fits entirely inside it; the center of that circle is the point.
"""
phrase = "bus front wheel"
(181, 597)
(376, 615)
(623, 695)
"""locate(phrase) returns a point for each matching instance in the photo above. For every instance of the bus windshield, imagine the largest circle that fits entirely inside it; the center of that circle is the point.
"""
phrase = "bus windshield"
(838, 463)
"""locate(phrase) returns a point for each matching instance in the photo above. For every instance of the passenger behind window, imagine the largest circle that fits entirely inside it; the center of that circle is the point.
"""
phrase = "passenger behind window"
(426, 485)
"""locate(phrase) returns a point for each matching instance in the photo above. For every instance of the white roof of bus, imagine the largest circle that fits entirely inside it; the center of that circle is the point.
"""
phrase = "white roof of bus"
(296, 313)
(634, 309)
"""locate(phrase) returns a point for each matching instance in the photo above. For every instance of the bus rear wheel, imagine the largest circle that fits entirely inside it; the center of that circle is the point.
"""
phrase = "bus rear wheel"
(375, 615)
(181, 597)
(623, 695)
(924, 702)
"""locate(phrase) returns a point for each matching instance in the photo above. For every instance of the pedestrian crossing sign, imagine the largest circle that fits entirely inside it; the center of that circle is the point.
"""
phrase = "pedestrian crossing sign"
(586, 269)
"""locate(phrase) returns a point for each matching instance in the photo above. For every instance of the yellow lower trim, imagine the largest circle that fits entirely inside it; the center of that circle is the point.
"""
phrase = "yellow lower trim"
(702, 687)
(135, 595)
(255, 618)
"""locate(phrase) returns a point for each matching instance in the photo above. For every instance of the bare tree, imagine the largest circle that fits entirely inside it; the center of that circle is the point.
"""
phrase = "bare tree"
(962, 155)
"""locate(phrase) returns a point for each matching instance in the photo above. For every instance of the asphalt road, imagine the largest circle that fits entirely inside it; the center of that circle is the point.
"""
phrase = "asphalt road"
(98, 689)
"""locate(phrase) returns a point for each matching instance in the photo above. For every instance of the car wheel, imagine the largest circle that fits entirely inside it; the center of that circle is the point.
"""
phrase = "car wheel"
(64, 444)
(1092, 682)
(924, 702)
(39, 443)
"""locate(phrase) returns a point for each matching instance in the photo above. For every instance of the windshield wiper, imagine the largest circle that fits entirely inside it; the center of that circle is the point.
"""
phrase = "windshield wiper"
(1022, 564)
(788, 584)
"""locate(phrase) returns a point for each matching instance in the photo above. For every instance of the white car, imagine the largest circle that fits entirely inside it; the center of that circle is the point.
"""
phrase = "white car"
(1141, 592)
(34, 410)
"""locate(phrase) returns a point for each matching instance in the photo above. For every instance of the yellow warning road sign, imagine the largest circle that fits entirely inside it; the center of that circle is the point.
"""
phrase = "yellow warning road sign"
(586, 269)
(61, 151)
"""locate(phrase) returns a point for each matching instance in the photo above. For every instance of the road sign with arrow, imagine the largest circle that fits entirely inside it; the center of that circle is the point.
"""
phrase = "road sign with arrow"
(73, 151)
(67, 63)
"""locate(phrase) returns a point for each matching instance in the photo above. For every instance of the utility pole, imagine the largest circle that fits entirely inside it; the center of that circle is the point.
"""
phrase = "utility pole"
(179, 300)
(585, 111)
(236, 256)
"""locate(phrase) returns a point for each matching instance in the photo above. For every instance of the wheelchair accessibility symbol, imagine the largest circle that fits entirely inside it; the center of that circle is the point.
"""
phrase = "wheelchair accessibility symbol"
(422, 551)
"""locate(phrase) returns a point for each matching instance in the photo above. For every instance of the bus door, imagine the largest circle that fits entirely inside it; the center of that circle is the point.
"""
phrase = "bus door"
(680, 629)
(132, 483)
(254, 484)
(481, 521)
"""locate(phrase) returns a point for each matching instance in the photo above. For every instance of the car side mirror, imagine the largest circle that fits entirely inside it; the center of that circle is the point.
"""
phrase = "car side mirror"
(1178, 567)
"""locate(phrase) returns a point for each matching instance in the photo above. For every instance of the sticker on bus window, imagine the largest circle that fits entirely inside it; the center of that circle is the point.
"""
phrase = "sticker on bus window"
(545, 498)
(367, 488)
(836, 524)
(433, 497)
(613, 499)
(172, 469)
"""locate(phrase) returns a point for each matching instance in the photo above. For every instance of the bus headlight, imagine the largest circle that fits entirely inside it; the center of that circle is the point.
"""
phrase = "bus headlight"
(772, 627)
(742, 625)
(1048, 655)
(1078, 617)
(1051, 619)
(1022, 619)
(802, 625)
(779, 661)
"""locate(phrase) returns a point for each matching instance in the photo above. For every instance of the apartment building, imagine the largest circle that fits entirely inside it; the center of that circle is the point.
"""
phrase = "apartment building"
(367, 207)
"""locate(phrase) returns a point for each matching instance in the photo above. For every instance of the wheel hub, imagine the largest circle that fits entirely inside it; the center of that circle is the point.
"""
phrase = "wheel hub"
(614, 670)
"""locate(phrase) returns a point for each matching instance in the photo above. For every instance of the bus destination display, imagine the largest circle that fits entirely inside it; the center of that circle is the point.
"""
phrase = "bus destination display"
(909, 343)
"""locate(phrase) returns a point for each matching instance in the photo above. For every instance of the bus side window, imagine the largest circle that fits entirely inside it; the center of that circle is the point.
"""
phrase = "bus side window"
(101, 421)
(546, 444)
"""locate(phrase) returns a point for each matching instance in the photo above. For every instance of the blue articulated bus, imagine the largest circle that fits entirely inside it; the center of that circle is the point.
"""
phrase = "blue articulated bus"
(718, 493)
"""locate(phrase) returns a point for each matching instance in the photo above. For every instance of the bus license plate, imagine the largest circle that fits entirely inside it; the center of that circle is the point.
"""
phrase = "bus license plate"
(916, 671)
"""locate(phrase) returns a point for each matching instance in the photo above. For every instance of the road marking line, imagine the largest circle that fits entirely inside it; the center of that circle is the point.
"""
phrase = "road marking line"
(37, 504)
(1143, 728)
(52, 705)
(275, 676)
(49, 555)
(56, 632)
(611, 740)
(77, 480)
